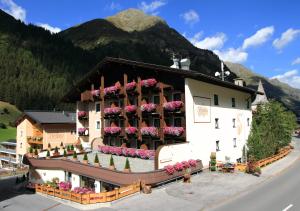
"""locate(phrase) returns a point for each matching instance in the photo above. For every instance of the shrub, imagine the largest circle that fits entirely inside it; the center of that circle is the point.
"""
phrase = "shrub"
(5, 110)
(65, 153)
(48, 153)
(72, 147)
(56, 150)
(111, 161)
(96, 160)
(68, 148)
(127, 164)
(74, 155)
(30, 150)
(2, 125)
(85, 157)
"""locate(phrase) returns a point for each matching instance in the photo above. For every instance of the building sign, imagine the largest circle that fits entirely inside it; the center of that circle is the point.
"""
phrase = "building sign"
(201, 109)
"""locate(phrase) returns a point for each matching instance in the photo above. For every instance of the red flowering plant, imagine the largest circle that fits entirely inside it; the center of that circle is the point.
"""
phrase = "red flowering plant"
(131, 152)
(148, 82)
(83, 131)
(96, 92)
(130, 86)
(178, 166)
(192, 162)
(130, 130)
(150, 131)
(169, 169)
(130, 109)
(149, 107)
(66, 186)
(82, 114)
(173, 131)
(112, 130)
(104, 149)
(117, 151)
(112, 111)
(185, 164)
(173, 105)
(83, 190)
(112, 90)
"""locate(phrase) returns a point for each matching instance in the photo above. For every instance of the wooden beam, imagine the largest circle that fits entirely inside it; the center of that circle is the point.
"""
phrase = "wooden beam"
(139, 112)
(102, 104)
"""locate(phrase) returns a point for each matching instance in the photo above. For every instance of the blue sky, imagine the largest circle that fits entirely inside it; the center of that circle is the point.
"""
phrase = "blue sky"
(264, 35)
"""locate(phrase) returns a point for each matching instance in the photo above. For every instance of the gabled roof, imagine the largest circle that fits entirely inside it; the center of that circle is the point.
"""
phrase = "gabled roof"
(50, 117)
(146, 67)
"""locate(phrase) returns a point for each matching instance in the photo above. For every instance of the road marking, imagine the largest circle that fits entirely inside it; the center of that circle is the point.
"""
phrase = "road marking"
(55, 205)
(287, 208)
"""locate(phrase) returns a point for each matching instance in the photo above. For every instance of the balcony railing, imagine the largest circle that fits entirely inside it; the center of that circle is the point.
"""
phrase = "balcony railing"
(34, 140)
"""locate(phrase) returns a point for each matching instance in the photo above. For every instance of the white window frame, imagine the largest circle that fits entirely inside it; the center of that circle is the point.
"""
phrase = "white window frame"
(96, 107)
(218, 145)
(234, 143)
(97, 125)
(217, 123)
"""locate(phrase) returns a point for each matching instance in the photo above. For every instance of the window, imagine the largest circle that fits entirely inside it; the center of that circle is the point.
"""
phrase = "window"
(177, 122)
(216, 99)
(233, 123)
(234, 142)
(156, 122)
(217, 123)
(21, 133)
(248, 122)
(217, 146)
(156, 99)
(97, 107)
(248, 103)
(97, 125)
(177, 96)
(233, 102)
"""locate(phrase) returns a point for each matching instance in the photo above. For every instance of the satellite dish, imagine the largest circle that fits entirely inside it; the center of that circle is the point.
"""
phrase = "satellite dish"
(217, 74)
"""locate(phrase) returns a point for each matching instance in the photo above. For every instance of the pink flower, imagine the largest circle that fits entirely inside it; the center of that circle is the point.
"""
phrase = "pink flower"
(66, 186)
(151, 131)
(82, 131)
(112, 111)
(83, 190)
(96, 92)
(185, 164)
(112, 130)
(192, 163)
(150, 107)
(178, 166)
(130, 86)
(131, 152)
(169, 169)
(130, 109)
(173, 105)
(112, 89)
(130, 130)
(148, 82)
(81, 114)
(173, 131)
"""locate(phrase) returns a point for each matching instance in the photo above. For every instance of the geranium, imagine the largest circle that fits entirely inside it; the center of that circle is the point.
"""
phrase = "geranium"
(148, 82)
(117, 150)
(112, 111)
(130, 86)
(185, 164)
(151, 131)
(148, 107)
(131, 152)
(169, 169)
(112, 130)
(82, 131)
(112, 89)
(83, 190)
(173, 105)
(96, 92)
(130, 130)
(130, 109)
(66, 186)
(192, 163)
(178, 166)
(173, 131)
(142, 153)
(82, 114)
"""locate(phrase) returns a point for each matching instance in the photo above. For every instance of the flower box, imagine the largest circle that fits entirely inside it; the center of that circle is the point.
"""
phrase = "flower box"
(173, 106)
(112, 130)
(149, 131)
(83, 131)
(95, 93)
(82, 115)
(130, 109)
(112, 111)
(83, 190)
(151, 82)
(128, 152)
(130, 86)
(112, 90)
(173, 131)
(130, 130)
(150, 107)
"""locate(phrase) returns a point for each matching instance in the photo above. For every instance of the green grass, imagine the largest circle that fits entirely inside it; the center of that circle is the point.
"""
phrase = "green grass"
(13, 113)
(9, 133)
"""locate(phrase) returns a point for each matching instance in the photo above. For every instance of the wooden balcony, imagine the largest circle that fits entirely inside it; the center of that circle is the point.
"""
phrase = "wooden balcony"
(87, 96)
(35, 140)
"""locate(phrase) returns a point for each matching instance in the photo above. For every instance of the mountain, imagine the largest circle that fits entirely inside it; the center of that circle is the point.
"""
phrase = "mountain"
(274, 89)
(37, 67)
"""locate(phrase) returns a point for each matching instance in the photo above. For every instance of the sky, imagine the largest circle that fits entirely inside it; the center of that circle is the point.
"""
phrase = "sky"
(263, 35)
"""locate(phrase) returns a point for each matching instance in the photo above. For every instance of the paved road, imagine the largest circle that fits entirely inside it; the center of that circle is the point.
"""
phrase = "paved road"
(280, 193)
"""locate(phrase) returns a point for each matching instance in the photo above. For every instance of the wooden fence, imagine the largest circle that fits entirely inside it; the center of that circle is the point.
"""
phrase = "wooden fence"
(90, 198)
(282, 153)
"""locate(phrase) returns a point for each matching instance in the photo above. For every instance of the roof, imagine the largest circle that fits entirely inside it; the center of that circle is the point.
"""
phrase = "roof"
(261, 98)
(90, 76)
(10, 142)
(51, 117)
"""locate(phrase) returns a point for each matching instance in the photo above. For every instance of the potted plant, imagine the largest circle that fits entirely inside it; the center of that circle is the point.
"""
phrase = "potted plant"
(127, 166)
(85, 159)
(68, 149)
(74, 156)
(96, 161)
(56, 152)
(36, 153)
(112, 163)
(213, 162)
(30, 151)
(61, 145)
(72, 148)
(48, 154)
(49, 146)
(65, 155)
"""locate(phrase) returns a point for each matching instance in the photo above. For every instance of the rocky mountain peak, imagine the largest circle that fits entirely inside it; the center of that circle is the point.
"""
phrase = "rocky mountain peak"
(134, 20)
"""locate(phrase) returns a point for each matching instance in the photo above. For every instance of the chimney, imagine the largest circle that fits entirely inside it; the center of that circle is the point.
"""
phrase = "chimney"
(176, 63)
(185, 63)
(239, 82)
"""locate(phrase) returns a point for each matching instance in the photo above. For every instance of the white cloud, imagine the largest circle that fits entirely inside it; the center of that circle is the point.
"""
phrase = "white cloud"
(296, 61)
(290, 77)
(260, 37)
(211, 43)
(236, 55)
(286, 37)
(190, 17)
(13, 9)
(152, 6)
(114, 6)
(52, 29)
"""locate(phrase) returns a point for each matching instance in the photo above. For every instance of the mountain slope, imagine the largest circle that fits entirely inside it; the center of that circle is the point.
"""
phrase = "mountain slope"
(36, 67)
(275, 89)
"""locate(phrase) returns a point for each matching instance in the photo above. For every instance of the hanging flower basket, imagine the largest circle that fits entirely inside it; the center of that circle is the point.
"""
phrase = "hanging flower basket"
(149, 131)
(112, 130)
(130, 86)
(112, 111)
(173, 105)
(130, 130)
(83, 131)
(150, 107)
(130, 109)
(82, 115)
(151, 82)
(173, 131)
(112, 90)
